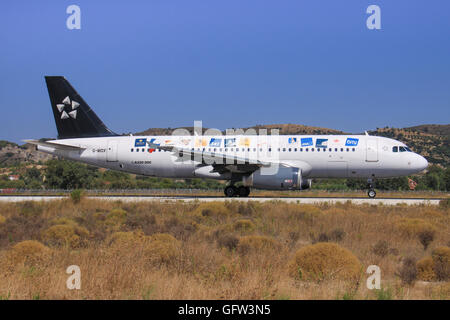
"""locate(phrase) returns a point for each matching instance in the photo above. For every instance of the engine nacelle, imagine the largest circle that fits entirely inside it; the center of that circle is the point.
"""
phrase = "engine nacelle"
(285, 179)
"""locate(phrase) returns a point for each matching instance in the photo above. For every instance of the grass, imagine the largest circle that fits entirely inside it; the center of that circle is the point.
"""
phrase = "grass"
(223, 250)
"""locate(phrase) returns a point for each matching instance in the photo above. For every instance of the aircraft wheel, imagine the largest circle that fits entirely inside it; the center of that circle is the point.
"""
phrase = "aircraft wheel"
(243, 191)
(371, 193)
(230, 191)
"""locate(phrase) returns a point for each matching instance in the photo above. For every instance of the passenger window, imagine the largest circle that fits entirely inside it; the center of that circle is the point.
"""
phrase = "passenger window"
(137, 150)
(312, 149)
(348, 149)
(318, 149)
(132, 149)
(254, 149)
(395, 149)
(284, 149)
(353, 149)
(342, 149)
(270, 149)
(335, 149)
(306, 149)
(295, 149)
(289, 149)
(301, 149)
(330, 149)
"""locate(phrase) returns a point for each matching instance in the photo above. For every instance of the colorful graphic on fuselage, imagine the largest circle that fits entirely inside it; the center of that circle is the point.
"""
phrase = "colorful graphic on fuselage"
(352, 142)
(200, 142)
(152, 141)
(229, 143)
(215, 142)
(305, 142)
(321, 143)
(140, 142)
(292, 140)
(244, 142)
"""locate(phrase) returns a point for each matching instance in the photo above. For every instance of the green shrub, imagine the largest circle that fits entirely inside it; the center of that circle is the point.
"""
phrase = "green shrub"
(76, 195)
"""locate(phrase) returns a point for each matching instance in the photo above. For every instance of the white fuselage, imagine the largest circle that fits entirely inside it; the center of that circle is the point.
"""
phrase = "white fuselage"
(318, 156)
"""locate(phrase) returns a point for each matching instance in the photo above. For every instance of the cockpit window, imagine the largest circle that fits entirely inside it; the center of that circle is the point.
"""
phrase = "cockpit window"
(395, 149)
(408, 149)
(402, 149)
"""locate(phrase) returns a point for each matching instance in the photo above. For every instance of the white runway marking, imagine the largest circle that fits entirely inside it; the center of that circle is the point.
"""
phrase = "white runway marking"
(379, 201)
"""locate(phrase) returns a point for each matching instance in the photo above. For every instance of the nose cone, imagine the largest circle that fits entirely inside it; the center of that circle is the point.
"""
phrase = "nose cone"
(420, 163)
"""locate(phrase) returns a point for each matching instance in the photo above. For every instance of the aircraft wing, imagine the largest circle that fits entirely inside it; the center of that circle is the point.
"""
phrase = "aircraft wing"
(57, 145)
(220, 161)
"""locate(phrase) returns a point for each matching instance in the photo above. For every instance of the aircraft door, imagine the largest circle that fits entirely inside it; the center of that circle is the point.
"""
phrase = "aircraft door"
(372, 150)
(111, 151)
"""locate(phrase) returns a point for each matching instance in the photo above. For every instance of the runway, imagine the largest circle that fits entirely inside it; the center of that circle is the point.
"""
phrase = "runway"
(376, 201)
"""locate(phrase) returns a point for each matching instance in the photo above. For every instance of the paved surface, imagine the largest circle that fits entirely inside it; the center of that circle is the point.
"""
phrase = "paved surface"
(382, 201)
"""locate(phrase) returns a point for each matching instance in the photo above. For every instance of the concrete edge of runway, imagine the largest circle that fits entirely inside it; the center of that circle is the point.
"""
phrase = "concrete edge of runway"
(376, 201)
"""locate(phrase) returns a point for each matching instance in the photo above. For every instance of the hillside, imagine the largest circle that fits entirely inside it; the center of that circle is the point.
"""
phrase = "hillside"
(431, 141)
(11, 153)
(287, 128)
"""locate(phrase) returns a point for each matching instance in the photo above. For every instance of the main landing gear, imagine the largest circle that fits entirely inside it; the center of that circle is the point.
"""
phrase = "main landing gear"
(233, 191)
(371, 186)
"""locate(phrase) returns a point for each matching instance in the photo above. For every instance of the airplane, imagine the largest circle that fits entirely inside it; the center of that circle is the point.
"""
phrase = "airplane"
(272, 162)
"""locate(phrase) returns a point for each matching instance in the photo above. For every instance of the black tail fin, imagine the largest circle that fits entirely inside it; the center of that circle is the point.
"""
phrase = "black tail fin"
(73, 116)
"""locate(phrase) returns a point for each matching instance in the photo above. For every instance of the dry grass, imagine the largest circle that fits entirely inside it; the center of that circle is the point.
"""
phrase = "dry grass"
(230, 250)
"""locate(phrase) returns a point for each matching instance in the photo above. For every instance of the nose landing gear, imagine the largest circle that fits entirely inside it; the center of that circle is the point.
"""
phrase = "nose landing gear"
(233, 191)
(371, 186)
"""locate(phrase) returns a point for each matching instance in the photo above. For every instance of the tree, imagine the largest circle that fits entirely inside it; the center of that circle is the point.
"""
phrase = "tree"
(62, 174)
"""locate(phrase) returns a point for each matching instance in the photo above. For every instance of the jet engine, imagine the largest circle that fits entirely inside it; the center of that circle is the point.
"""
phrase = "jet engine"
(286, 178)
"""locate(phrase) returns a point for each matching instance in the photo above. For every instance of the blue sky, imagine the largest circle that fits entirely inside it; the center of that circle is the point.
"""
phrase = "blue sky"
(166, 63)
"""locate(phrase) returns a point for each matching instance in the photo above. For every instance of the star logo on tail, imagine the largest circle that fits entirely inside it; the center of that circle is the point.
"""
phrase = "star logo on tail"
(72, 105)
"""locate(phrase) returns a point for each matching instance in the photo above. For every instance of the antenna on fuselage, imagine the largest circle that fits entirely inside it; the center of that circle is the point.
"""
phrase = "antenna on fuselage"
(366, 133)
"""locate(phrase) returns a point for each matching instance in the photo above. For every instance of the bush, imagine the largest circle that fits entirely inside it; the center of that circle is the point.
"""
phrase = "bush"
(257, 244)
(70, 235)
(381, 248)
(426, 237)
(76, 195)
(411, 227)
(425, 269)
(228, 241)
(29, 252)
(162, 248)
(408, 271)
(441, 261)
(115, 218)
(126, 239)
(324, 261)
(212, 209)
(243, 226)
(2, 219)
